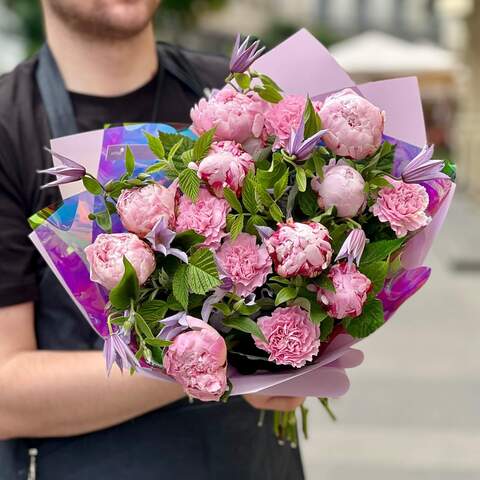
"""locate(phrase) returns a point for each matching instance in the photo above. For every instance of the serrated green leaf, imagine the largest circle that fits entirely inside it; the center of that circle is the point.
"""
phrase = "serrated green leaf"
(245, 324)
(275, 212)
(153, 310)
(280, 185)
(143, 326)
(248, 193)
(253, 221)
(170, 139)
(180, 287)
(264, 196)
(380, 250)
(301, 179)
(376, 272)
(232, 199)
(370, 320)
(189, 183)
(156, 167)
(202, 274)
(237, 226)
(92, 185)
(155, 145)
(129, 161)
(202, 145)
(307, 201)
(127, 289)
(175, 160)
(285, 294)
(326, 328)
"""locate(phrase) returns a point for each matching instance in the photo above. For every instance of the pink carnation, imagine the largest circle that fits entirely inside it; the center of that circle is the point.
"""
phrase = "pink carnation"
(226, 166)
(403, 206)
(292, 338)
(197, 359)
(207, 216)
(300, 249)
(343, 188)
(236, 116)
(245, 263)
(105, 256)
(141, 208)
(284, 116)
(355, 126)
(351, 290)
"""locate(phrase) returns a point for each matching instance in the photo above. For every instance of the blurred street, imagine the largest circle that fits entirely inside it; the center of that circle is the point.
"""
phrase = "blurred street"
(412, 411)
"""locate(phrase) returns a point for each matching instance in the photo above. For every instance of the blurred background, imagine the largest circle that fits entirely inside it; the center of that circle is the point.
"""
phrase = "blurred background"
(413, 410)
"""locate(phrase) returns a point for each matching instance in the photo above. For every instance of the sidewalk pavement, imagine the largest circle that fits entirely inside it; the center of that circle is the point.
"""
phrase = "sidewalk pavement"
(413, 409)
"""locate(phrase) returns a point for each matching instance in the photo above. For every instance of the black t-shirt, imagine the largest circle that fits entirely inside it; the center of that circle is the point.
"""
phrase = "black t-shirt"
(24, 131)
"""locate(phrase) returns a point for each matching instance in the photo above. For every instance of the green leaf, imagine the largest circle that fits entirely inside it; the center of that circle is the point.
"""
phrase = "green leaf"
(92, 185)
(189, 183)
(174, 159)
(264, 196)
(285, 294)
(380, 250)
(232, 199)
(326, 283)
(278, 279)
(179, 286)
(307, 201)
(268, 178)
(253, 221)
(380, 182)
(338, 234)
(280, 185)
(243, 80)
(156, 167)
(317, 313)
(127, 289)
(376, 272)
(155, 145)
(318, 163)
(202, 145)
(142, 325)
(266, 80)
(326, 328)
(104, 221)
(370, 320)
(156, 342)
(276, 212)
(187, 239)
(202, 274)
(301, 179)
(245, 324)
(269, 93)
(312, 120)
(129, 162)
(153, 310)
(248, 193)
(237, 226)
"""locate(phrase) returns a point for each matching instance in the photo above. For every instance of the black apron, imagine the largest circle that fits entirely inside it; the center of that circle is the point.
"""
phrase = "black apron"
(201, 441)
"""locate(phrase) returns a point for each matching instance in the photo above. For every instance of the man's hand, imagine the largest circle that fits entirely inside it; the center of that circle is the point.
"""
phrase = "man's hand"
(265, 402)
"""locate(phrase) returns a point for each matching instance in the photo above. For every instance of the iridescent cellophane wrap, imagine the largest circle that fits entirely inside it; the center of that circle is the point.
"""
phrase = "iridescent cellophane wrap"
(62, 233)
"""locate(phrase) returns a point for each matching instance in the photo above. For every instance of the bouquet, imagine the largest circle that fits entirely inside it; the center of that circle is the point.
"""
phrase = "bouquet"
(249, 252)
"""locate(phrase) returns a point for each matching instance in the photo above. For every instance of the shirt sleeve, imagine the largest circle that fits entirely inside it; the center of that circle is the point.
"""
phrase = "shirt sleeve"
(17, 253)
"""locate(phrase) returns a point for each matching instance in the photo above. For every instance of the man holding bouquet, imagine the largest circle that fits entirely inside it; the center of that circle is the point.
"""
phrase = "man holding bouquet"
(60, 416)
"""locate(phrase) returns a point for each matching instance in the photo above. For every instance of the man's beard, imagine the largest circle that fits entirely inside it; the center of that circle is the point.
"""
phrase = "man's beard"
(97, 19)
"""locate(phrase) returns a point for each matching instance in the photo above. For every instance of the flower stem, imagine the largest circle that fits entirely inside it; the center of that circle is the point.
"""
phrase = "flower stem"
(326, 406)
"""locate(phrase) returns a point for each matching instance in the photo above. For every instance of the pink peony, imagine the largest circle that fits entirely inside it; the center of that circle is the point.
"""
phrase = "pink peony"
(300, 249)
(342, 187)
(197, 359)
(141, 208)
(292, 338)
(402, 206)
(355, 126)
(226, 166)
(284, 116)
(351, 290)
(207, 216)
(245, 263)
(105, 256)
(236, 116)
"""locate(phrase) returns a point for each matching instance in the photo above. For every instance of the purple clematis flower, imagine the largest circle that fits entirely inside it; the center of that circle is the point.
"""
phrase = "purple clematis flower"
(264, 232)
(173, 326)
(161, 237)
(423, 168)
(352, 248)
(243, 55)
(298, 146)
(116, 350)
(69, 171)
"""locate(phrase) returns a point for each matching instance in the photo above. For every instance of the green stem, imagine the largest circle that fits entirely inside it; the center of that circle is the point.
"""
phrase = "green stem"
(326, 406)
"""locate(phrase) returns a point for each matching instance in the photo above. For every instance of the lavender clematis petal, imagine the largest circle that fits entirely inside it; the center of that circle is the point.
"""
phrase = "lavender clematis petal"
(173, 326)
(116, 350)
(243, 55)
(352, 248)
(264, 232)
(208, 304)
(423, 168)
(68, 171)
(161, 237)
